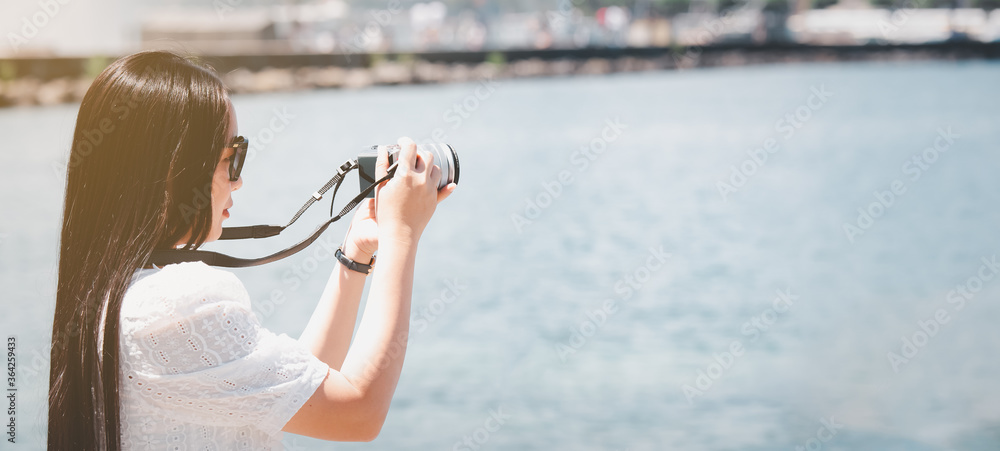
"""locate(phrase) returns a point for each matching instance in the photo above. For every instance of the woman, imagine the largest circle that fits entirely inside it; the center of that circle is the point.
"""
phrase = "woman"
(173, 357)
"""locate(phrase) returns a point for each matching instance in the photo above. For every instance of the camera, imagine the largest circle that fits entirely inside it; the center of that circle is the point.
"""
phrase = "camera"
(445, 158)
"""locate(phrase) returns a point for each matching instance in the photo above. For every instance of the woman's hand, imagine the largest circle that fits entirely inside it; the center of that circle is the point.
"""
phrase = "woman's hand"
(406, 202)
(362, 237)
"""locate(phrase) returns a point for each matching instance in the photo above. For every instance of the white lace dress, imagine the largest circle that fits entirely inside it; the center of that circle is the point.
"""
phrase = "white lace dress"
(198, 372)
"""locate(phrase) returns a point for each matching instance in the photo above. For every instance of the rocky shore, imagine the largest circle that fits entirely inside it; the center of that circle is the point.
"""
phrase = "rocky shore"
(32, 91)
(248, 74)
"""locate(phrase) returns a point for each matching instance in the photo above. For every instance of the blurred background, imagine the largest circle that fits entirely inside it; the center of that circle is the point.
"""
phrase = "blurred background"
(680, 225)
(55, 47)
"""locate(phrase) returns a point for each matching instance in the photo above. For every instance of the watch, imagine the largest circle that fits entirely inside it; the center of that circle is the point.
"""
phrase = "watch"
(353, 265)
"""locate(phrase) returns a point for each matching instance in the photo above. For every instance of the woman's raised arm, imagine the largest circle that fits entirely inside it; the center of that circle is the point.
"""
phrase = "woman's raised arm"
(352, 402)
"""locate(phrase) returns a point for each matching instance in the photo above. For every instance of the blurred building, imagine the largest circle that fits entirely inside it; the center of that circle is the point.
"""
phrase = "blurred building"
(69, 28)
(861, 24)
(223, 27)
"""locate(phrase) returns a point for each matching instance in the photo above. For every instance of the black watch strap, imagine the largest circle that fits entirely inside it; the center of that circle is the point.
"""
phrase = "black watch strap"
(353, 265)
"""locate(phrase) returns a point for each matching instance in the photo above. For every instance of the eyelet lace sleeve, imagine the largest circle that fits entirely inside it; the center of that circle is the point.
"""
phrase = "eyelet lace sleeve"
(194, 352)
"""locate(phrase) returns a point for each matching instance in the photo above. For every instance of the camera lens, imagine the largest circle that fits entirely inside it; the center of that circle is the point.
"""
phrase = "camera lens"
(446, 159)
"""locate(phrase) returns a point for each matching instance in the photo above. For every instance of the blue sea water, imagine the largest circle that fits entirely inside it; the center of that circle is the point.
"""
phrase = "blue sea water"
(543, 298)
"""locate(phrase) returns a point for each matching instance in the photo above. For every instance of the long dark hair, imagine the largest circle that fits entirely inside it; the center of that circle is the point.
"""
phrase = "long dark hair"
(148, 138)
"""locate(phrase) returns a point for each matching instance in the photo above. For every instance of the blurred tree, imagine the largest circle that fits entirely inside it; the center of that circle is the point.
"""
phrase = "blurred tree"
(95, 65)
(727, 5)
(821, 4)
(496, 58)
(8, 71)
(886, 4)
(777, 6)
(671, 7)
(935, 4)
(911, 4)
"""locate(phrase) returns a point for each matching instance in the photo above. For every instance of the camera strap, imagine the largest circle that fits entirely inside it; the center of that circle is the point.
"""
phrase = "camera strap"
(162, 257)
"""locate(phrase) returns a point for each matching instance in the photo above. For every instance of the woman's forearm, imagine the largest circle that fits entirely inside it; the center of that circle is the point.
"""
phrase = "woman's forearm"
(357, 397)
(328, 333)
(375, 360)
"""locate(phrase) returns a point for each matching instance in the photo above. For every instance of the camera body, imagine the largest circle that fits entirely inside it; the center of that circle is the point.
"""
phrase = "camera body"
(445, 158)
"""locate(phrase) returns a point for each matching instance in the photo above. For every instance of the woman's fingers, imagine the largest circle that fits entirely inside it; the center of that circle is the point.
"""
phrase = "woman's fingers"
(427, 158)
(382, 163)
(443, 193)
(406, 204)
(435, 175)
(416, 161)
(369, 206)
(407, 154)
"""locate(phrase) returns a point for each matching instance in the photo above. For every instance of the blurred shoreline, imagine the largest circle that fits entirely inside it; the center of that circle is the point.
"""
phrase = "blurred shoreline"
(56, 80)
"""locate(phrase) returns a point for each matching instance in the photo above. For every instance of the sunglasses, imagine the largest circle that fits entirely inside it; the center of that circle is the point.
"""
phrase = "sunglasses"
(239, 157)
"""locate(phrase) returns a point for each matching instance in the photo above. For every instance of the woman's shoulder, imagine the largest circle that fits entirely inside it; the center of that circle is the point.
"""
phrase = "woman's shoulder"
(180, 288)
(182, 279)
